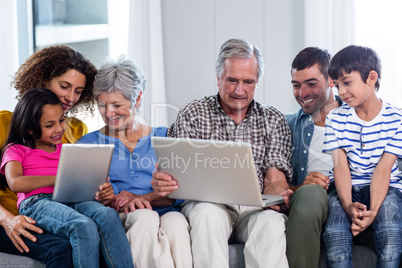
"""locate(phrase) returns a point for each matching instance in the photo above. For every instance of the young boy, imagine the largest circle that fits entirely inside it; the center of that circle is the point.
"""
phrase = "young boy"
(364, 137)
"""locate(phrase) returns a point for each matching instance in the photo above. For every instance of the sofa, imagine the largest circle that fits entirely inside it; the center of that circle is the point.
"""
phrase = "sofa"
(363, 257)
(9, 260)
(363, 254)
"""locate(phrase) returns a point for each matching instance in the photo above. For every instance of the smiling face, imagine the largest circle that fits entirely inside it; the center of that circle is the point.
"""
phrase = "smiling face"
(116, 111)
(68, 87)
(52, 125)
(237, 86)
(311, 90)
(354, 91)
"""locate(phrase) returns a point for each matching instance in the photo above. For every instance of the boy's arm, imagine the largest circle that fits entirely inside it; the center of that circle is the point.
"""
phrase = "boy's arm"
(343, 180)
(378, 191)
(380, 181)
(22, 184)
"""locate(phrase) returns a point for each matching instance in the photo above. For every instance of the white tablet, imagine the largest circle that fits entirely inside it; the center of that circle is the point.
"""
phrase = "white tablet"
(82, 169)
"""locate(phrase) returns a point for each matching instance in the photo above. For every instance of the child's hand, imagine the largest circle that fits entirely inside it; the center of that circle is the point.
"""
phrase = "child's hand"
(361, 220)
(353, 208)
(105, 194)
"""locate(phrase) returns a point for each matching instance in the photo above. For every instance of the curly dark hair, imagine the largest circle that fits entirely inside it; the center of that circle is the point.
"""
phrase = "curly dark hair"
(50, 62)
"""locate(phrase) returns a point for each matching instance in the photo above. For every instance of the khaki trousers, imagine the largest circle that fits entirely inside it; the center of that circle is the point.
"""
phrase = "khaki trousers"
(158, 241)
(212, 225)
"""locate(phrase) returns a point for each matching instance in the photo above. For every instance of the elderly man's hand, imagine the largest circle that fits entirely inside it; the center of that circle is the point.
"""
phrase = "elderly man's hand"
(162, 183)
(284, 207)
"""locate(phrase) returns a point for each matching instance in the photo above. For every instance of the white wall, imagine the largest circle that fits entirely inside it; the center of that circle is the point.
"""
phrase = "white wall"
(194, 31)
(8, 53)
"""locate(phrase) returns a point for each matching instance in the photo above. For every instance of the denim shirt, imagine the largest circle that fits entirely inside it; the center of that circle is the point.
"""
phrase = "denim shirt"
(302, 127)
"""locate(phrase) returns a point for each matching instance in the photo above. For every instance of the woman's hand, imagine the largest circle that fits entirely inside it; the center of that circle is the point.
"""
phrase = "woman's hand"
(127, 202)
(15, 226)
(105, 194)
(139, 202)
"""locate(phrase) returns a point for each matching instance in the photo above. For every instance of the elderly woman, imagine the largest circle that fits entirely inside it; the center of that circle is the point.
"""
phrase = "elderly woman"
(158, 233)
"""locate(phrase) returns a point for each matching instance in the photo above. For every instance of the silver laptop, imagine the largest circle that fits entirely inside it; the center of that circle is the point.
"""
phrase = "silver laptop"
(212, 171)
(82, 169)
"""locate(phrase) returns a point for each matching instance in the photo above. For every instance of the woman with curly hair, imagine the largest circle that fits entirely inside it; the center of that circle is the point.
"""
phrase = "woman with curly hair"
(68, 74)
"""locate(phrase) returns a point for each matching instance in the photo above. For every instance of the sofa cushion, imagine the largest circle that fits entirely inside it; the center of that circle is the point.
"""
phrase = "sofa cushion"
(363, 257)
(9, 260)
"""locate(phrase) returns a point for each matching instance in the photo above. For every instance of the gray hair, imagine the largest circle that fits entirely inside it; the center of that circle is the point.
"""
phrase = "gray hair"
(238, 48)
(123, 76)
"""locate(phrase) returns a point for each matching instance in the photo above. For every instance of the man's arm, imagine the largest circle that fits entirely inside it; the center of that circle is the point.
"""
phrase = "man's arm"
(163, 184)
(185, 126)
(313, 178)
(317, 178)
(275, 183)
(279, 146)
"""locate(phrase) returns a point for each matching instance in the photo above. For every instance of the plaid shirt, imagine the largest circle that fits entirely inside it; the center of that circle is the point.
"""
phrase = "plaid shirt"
(265, 128)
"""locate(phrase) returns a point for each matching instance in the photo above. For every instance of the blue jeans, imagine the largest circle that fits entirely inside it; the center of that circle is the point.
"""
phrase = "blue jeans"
(52, 250)
(89, 226)
(387, 226)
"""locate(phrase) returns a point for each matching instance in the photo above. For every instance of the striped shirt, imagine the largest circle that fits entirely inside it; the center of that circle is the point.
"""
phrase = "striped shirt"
(265, 128)
(365, 142)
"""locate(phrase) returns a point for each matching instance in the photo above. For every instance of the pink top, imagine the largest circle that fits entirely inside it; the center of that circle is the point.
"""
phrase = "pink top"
(35, 162)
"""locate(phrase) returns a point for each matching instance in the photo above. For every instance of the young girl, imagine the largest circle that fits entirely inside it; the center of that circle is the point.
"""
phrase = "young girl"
(30, 159)
(70, 75)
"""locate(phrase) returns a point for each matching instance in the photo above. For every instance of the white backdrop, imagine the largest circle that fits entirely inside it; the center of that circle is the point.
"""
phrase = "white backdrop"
(176, 43)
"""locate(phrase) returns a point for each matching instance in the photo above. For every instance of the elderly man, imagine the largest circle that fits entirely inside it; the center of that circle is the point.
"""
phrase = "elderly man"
(234, 115)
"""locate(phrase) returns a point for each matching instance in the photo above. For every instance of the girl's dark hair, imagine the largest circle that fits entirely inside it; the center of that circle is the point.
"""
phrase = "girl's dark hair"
(24, 125)
(3, 182)
(50, 62)
(25, 121)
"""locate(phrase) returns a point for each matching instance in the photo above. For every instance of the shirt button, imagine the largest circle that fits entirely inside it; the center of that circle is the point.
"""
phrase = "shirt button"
(132, 172)
(309, 134)
(302, 169)
(305, 151)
